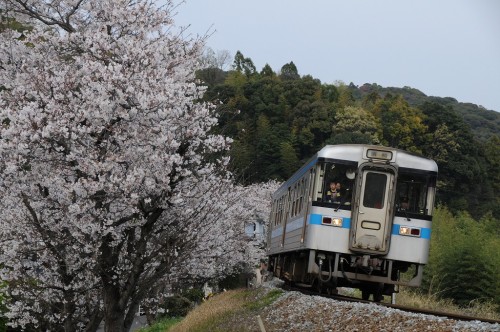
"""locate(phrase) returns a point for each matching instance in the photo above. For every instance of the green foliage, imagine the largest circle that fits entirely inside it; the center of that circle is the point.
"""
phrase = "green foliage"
(194, 295)
(267, 71)
(244, 65)
(289, 72)
(211, 76)
(350, 138)
(465, 182)
(442, 144)
(486, 122)
(269, 298)
(356, 120)
(176, 306)
(402, 125)
(162, 325)
(288, 159)
(234, 281)
(464, 263)
(345, 97)
(330, 93)
(8, 23)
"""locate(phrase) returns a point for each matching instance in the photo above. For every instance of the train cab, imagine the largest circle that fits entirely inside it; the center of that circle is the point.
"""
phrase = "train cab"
(355, 216)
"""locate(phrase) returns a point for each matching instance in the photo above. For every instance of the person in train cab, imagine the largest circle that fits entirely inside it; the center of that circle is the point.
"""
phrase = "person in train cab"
(333, 194)
(341, 193)
(347, 193)
(405, 204)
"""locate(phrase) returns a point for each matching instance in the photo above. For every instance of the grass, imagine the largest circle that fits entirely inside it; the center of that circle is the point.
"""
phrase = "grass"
(162, 325)
(264, 301)
(234, 310)
(411, 298)
(208, 315)
(414, 299)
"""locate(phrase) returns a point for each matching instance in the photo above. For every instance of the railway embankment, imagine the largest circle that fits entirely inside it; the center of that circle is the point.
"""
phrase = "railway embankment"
(269, 308)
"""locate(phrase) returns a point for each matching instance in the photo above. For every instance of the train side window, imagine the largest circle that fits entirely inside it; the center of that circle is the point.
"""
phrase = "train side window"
(277, 219)
(276, 212)
(302, 194)
(271, 215)
(295, 199)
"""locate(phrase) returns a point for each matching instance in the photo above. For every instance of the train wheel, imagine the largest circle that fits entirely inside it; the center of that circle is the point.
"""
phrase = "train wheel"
(378, 295)
(317, 286)
(365, 294)
(375, 289)
(332, 290)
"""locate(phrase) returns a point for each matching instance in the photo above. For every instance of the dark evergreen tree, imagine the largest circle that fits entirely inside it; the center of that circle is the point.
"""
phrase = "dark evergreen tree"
(244, 65)
(330, 93)
(288, 161)
(211, 76)
(462, 172)
(267, 71)
(289, 72)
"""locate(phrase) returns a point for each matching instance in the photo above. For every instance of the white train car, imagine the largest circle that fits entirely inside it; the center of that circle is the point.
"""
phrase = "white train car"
(354, 216)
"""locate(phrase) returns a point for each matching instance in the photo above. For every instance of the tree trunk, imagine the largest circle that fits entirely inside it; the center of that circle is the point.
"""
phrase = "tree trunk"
(69, 309)
(95, 320)
(114, 314)
(129, 318)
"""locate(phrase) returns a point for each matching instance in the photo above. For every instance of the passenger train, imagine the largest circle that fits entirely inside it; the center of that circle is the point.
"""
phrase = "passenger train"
(354, 216)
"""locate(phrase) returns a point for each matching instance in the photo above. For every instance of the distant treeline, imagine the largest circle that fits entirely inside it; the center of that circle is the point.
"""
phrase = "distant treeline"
(280, 119)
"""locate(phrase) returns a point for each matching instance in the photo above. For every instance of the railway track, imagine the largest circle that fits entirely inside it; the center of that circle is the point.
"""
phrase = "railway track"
(459, 317)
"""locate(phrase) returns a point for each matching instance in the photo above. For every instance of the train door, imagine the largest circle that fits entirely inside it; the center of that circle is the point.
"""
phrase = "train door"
(373, 213)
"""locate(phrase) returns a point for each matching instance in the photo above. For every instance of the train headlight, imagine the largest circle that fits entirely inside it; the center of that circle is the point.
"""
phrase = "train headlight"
(409, 231)
(332, 221)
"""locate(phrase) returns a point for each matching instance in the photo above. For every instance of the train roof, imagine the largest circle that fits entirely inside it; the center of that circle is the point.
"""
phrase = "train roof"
(354, 151)
(357, 152)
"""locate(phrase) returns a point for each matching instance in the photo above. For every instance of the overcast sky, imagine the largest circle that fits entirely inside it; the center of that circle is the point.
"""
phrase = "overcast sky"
(445, 48)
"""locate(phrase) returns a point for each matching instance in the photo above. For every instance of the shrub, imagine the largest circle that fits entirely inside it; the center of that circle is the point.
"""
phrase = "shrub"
(194, 295)
(464, 260)
(176, 306)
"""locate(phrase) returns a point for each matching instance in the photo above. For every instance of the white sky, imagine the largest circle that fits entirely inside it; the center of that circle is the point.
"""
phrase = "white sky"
(445, 48)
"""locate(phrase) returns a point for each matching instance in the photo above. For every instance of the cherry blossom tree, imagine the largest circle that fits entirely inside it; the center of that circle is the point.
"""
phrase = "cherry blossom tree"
(221, 247)
(216, 253)
(109, 174)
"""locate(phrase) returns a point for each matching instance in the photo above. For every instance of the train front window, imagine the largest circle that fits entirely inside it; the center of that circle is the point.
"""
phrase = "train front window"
(335, 184)
(415, 194)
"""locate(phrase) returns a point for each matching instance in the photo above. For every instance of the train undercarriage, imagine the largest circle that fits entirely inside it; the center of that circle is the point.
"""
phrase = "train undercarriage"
(326, 271)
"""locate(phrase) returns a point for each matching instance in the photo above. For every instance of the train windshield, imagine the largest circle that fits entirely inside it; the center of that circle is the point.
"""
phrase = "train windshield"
(415, 194)
(335, 184)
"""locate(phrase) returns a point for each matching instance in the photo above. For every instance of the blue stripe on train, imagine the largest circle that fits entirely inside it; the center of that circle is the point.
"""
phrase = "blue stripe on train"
(315, 219)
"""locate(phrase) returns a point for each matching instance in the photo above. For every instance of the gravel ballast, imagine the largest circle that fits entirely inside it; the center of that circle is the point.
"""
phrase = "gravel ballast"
(294, 311)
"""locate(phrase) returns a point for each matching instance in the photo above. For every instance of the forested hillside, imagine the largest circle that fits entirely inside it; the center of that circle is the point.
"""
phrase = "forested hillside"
(278, 119)
(484, 123)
